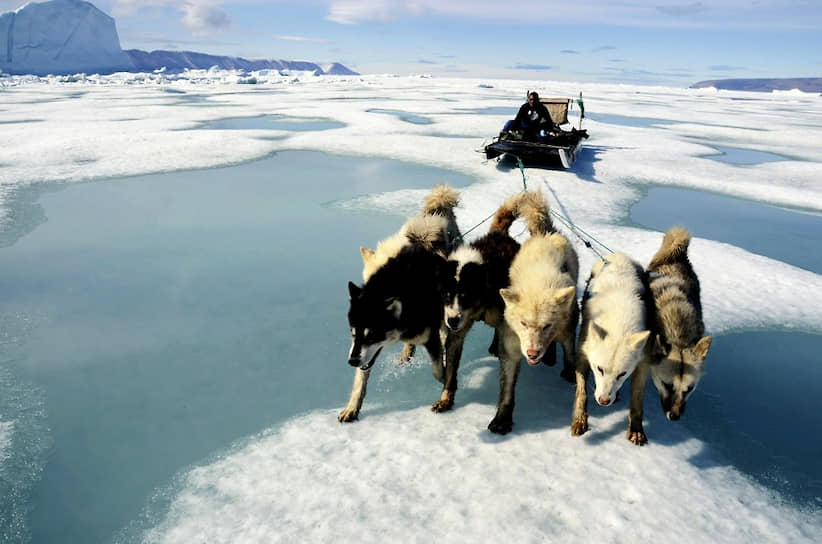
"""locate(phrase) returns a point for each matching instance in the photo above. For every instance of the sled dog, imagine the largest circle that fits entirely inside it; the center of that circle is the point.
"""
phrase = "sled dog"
(540, 304)
(401, 299)
(681, 346)
(476, 274)
(617, 313)
(427, 230)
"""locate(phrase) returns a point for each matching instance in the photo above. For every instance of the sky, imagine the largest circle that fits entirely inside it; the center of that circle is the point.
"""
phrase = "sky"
(649, 42)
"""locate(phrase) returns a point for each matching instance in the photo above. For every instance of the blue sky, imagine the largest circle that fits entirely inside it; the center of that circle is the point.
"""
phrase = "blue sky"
(670, 42)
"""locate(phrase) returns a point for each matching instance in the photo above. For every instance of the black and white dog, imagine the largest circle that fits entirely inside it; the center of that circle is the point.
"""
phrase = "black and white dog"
(402, 297)
(477, 272)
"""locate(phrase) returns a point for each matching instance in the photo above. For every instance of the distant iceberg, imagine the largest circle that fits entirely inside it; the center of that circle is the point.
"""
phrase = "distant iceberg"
(60, 37)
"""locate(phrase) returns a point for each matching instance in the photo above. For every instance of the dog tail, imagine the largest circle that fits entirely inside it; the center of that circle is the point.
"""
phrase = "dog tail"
(442, 201)
(674, 248)
(428, 231)
(531, 207)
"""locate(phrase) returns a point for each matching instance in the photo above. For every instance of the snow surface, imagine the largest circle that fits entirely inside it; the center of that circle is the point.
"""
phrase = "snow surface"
(410, 474)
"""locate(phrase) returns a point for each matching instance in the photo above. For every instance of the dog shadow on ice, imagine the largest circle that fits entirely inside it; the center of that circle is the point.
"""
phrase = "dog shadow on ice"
(544, 402)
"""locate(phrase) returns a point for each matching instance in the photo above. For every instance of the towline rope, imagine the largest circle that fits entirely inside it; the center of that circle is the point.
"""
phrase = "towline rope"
(579, 232)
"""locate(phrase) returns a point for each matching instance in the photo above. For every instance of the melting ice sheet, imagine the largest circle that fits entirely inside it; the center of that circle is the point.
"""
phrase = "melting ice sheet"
(401, 470)
(415, 475)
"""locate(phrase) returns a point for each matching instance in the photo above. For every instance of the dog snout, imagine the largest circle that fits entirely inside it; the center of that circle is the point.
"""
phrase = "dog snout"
(531, 354)
(454, 322)
(673, 416)
(604, 401)
(354, 361)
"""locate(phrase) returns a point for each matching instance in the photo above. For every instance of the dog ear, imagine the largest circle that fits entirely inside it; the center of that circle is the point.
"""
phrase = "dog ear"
(353, 290)
(701, 348)
(367, 254)
(564, 296)
(637, 340)
(509, 296)
(602, 333)
(446, 275)
(394, 305)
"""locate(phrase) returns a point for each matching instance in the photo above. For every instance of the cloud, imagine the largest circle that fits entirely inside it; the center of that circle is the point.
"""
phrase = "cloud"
(569, 52)
(423, 61)
(200, 17)
(349, 12)
(205, 19)
(681, 10)
(532, 67)
(725, 68)
(300, 39)
(641, 72)
(603, 48)
(211, 15)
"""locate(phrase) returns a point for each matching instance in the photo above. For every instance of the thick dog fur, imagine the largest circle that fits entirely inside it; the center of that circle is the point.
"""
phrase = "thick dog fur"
(617, 315)
(434, 229)
(401, 299)
(681, 347)
(541, 304)
(478, 272)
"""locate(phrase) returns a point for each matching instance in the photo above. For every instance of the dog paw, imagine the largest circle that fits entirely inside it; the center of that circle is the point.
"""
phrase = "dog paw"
(637, 437)
(347, 416)
(579, 427)
(442, 406)
(501, 425)
(445, 403)
(407, 352)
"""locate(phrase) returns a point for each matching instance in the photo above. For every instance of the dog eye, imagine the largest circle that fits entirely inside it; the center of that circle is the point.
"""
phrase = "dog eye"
(523, 323)
(546, 327)
(620, 375)
(669, 387)
(689, 389)
(599, 368)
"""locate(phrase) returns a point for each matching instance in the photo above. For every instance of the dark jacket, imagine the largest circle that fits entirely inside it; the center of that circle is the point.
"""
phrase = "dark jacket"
(529, 117)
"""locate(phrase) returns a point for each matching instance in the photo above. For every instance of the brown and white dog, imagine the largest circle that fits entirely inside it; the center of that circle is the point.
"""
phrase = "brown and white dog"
(681, 347)
(541, 305)
(477, 272)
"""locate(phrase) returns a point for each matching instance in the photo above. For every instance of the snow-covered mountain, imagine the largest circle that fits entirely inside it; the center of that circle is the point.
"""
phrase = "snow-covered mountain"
(177, 61)
(71, 36)
(60, 37)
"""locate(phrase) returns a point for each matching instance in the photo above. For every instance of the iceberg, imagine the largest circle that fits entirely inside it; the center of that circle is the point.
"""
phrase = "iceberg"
(60, 37)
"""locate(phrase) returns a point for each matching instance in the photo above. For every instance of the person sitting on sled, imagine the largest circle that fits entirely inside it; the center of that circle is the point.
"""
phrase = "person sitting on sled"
(532, 118)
